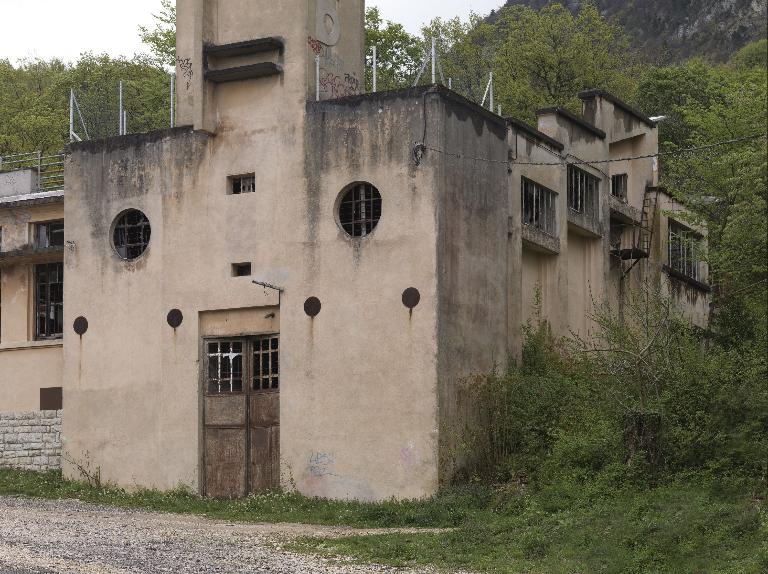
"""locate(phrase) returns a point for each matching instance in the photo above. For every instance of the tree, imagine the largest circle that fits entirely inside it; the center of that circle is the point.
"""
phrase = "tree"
(398, 53)
(162, 39)
(546, 58)
(725, 188)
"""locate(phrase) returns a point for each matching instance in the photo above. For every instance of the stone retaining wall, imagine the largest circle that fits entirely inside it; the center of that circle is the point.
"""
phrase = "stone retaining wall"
(31, 441)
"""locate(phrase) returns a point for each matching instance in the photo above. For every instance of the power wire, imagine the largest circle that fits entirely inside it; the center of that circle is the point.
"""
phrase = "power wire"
(600, 161)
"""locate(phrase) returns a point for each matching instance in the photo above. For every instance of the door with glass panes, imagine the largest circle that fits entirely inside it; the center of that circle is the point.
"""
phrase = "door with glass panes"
(241, 416)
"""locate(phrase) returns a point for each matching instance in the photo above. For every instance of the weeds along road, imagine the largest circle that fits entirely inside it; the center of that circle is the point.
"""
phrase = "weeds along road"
(71, 537)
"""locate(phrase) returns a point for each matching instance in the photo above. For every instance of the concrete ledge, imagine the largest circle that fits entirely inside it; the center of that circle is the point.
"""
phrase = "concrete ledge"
(536, 240)
(584, 224)
(695, 283)
(624, 211)
(26, 345)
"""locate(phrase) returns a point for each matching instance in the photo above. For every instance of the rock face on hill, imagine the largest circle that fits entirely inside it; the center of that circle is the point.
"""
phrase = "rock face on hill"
(673, 30)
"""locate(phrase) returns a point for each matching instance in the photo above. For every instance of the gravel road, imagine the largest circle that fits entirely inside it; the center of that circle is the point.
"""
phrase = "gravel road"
(71, 537)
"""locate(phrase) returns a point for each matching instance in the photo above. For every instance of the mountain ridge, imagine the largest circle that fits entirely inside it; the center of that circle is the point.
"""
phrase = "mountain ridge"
(668, 30)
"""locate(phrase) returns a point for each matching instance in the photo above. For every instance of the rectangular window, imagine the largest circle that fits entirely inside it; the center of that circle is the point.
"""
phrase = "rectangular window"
(49, 300)
(243, 184)
(619, 185)
(49, 234)
(241, 270)
(225, 367)
(583, 191)
(539, 207)
(266, 363)
(228, 364)
(684, 250)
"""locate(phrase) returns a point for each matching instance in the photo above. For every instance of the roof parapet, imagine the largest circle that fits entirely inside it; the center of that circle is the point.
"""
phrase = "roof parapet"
(573, 118)
(536, 134)
(623, 106)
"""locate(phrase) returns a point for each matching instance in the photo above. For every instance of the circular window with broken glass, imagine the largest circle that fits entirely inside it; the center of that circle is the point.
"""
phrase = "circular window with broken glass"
(131, 233)
(360, 209)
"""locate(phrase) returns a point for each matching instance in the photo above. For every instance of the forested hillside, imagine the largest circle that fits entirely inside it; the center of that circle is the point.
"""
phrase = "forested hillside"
(672, 30)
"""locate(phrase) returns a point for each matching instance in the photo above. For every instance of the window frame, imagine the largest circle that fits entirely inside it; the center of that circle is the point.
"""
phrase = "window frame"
(623, 177)
(583, 191)
(117, 225)
(678, 234)
(232, 179)
(38, 225)
(542, 218)
(52, 334)
(359, 220)
(248, 375)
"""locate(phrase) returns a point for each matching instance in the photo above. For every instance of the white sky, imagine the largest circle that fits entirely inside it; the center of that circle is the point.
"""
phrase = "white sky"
(66, 28)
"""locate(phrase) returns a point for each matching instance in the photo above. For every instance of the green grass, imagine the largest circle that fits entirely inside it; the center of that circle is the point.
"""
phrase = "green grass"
(678, 528)
(674, 529)
(444, 511)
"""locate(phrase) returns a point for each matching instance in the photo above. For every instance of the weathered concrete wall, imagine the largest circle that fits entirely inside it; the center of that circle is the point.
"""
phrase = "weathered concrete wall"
(473, 246)
(25, 368)
(336, 369)
(26, 365)
(364, 398)
(18, 182)
(30, 440)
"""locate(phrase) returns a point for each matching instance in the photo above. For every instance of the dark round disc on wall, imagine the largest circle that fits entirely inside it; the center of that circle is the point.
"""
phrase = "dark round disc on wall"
(312, 306)
(175, 318)
(80, 326)
(411, 297)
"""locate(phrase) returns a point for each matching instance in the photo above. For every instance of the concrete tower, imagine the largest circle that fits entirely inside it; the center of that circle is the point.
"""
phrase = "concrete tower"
(277, 46)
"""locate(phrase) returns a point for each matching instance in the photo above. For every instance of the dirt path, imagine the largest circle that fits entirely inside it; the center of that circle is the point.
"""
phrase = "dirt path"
(71, 537)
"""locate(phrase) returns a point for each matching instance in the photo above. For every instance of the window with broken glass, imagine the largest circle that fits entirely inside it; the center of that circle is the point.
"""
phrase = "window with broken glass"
(243, 184)
(234, 365)
(49, 301)
(360, 210)
(619, 184)
(539, 207)
(132, 234)
(583, 191)
(684, 246)
(49, 234)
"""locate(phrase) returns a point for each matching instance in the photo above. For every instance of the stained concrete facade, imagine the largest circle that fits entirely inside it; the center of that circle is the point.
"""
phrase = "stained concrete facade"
(28, 363)
(368, 400)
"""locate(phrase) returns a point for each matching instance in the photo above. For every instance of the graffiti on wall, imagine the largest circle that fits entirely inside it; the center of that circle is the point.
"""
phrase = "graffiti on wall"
(335, 81)
(185, 66)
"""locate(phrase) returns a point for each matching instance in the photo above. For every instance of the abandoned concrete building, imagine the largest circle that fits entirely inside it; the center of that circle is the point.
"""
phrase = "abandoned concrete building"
(288, 288)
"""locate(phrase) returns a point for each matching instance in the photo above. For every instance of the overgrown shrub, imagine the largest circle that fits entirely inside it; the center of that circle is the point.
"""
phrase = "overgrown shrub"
(645, 397)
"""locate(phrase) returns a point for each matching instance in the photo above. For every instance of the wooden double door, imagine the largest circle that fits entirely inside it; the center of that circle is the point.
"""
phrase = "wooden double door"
(241, 416)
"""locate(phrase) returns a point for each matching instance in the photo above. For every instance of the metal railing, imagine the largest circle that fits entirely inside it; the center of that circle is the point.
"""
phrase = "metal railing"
(49, 168)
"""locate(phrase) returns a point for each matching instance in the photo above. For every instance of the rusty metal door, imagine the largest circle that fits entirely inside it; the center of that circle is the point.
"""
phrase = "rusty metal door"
(241, 416)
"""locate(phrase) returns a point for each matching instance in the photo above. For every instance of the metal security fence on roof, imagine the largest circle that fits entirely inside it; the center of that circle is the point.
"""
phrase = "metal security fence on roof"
(49, 168)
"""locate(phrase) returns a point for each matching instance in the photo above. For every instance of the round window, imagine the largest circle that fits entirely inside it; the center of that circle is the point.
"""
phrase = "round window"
(131, 234)
(360, 209)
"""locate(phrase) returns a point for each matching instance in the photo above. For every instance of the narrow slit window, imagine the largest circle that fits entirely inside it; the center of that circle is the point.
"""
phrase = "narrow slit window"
(243, 184)
(539, 207)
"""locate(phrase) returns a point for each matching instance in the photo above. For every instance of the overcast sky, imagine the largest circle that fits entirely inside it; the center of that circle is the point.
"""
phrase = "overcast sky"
(64, 29)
